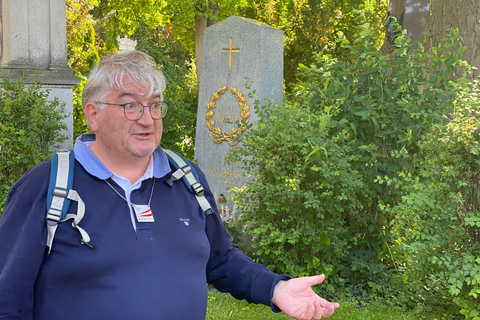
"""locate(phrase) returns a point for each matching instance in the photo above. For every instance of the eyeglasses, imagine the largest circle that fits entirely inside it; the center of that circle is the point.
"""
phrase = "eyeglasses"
(134, 110)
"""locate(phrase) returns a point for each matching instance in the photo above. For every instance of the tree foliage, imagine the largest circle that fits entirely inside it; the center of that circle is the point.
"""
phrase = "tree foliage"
(183, 15)
(122, 17)
(312, 26)
(83, 53)
(309, 25)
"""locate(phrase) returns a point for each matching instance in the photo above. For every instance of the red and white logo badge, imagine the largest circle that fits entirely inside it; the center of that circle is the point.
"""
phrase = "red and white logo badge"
(144, 213)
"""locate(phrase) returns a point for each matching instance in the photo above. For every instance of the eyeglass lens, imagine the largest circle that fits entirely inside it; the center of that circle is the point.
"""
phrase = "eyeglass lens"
(134, 110)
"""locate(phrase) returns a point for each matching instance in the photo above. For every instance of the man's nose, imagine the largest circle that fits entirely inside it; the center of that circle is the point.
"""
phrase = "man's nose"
(146, 117)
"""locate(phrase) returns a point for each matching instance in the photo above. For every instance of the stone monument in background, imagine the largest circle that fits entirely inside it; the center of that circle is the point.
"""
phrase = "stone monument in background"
(126, 44)
(241, 57)
(34, 42)
(417, 19)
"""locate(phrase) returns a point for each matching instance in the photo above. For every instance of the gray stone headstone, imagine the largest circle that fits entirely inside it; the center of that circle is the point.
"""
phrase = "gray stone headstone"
(242, 62)
(34, 46)
(126, 44)
(416, 20)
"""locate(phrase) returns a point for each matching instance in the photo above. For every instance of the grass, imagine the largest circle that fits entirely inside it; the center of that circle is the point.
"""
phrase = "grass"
(223, 306)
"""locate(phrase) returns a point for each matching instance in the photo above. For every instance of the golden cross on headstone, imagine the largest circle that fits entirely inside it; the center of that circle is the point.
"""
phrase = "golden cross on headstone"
(230, 50)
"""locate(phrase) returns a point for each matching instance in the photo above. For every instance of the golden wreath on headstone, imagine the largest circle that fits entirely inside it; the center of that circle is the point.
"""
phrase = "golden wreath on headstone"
(218, 136)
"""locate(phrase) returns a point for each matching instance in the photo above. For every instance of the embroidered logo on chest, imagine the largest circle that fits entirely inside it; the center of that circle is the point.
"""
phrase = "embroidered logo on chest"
(185, 221)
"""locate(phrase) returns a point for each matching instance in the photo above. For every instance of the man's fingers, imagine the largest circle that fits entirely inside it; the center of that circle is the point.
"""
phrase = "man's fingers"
(313, 280)
(319, 311)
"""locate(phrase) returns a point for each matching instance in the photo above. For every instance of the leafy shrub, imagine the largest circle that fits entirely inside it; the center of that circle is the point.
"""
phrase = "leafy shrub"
(438, 219)
(80, 125)
(315, 205)
(241, 239)
(30, 127)
(292, 223)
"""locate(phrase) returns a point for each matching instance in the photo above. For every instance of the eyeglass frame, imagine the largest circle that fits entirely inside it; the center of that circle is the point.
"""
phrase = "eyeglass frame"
(144, 106)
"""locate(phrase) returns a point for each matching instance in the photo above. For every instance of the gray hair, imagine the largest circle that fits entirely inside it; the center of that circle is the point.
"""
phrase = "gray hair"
(108, 75)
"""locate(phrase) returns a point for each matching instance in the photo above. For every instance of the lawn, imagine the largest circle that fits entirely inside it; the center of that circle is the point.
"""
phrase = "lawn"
(223, 306)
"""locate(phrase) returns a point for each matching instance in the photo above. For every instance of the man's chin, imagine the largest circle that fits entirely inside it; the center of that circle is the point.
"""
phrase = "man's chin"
(143, 152)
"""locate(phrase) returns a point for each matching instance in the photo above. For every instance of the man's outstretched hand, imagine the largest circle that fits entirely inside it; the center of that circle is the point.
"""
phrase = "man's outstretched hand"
(296, 298)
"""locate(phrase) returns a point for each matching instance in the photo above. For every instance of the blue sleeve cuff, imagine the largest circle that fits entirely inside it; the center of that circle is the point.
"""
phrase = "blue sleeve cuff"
(263, 287)
(272, 288)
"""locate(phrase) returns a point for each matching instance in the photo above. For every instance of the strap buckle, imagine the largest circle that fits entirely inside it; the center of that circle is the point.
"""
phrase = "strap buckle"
(53, 216)
(186, 169)
(60, 192)
(198, 189)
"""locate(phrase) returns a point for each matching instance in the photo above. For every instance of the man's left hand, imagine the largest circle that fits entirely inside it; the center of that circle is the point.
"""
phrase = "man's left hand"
(296, 298)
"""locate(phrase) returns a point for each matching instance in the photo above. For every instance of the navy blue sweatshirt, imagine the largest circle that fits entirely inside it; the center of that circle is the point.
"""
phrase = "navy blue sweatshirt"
(158, 271)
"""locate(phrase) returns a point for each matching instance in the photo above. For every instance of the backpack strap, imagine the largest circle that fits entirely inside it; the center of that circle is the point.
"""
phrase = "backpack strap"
(189, 177)
(60, 194)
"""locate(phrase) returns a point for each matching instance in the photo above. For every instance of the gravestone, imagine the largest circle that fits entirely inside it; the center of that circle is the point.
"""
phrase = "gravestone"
(416, 20)
(242, 62)
(126, 44)
(34, 46)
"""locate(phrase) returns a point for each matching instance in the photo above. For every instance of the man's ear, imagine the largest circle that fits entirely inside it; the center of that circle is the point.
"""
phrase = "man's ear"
(91, 114)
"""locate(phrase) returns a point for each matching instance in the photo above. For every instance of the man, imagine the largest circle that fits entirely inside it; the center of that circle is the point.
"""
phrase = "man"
(136, 267)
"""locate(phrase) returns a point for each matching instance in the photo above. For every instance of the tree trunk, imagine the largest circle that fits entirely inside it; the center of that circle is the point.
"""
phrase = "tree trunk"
(202, 22)
(445, 14)
(214, 8)
(200, 25)
(395, 9)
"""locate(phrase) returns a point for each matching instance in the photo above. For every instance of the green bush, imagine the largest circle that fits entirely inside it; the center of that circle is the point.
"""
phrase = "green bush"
(438, 219)
(294, 227)
(30, 127)
(315, 203)
(79, 121)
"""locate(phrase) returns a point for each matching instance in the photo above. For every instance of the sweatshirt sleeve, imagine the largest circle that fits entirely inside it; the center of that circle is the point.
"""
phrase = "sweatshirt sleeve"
(230, 270)
(22, 245)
